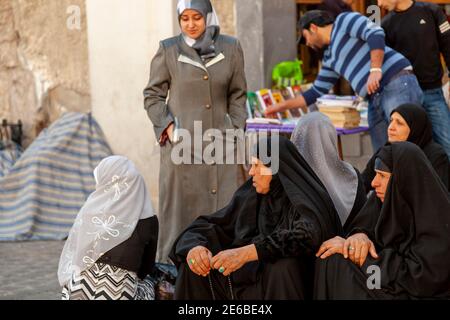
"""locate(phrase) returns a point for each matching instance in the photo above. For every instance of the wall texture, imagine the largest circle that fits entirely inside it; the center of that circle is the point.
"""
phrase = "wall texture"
(227, 16)
(122, 42)
(42, 62)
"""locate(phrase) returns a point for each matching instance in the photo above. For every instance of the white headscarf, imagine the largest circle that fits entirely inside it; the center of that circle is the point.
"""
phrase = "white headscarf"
(315, 138)
(108, 218)
(205, 44)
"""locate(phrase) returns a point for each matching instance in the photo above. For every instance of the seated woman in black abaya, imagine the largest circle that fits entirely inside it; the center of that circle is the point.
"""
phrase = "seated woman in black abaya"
(261, 246)
(399, 246)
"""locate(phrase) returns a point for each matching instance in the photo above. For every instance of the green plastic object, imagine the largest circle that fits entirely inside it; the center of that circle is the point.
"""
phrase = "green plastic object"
(287, 74)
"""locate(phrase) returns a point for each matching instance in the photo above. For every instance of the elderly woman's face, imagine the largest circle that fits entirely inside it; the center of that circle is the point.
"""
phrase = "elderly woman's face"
(192, 23)
(262, 176)
(380, 183)
(398, 130)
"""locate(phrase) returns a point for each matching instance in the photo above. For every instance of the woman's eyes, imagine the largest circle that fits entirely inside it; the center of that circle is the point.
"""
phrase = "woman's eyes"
(398, 123)
(196, 18)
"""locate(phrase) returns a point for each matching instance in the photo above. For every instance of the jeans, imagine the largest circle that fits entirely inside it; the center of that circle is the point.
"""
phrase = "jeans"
(439, 115)
(401, 90)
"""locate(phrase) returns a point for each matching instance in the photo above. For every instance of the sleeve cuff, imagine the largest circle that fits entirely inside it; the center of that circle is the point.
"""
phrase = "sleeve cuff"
(376, 42)
(311, 96)
(161, 129)
(361, 230)
(264, 255)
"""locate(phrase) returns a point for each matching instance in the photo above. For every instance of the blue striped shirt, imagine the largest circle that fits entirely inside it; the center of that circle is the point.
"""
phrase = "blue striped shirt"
(348, 55)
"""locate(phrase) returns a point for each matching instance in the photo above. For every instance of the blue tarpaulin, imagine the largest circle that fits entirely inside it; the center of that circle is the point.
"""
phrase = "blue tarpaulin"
(43, 191)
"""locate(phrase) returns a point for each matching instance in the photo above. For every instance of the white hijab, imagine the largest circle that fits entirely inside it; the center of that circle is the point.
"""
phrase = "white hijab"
(108, 218)
(315, 138)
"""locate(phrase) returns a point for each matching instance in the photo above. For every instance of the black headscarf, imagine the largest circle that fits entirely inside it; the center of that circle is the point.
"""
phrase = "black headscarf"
(384, 161)
(421, 134)
(237, 224)
(421, 131)
(411, 229)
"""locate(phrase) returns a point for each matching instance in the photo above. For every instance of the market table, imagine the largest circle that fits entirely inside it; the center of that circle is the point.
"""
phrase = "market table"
(288, 128)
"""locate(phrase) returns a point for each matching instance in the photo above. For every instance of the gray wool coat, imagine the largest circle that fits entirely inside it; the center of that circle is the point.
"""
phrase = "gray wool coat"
(184, 88)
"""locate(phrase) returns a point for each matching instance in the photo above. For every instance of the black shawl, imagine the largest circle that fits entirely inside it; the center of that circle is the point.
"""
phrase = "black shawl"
(411, 229)
(239, 223)
(420, 134)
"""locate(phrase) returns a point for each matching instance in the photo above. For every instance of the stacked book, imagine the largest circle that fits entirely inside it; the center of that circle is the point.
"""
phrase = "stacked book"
(342, 110)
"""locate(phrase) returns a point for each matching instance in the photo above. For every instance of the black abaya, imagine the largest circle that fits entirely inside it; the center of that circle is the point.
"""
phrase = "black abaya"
(287, 226)
(411, 231)
(360, 201)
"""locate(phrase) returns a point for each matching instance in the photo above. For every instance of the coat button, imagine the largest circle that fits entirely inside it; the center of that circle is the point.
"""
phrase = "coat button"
(208, 106)
(205, 78)
(214, 191)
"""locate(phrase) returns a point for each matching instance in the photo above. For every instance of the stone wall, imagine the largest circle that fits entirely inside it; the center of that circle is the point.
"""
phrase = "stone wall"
(227, 16)
(43, 63)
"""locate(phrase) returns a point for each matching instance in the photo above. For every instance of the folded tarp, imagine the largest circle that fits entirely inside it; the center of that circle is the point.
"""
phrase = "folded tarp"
(44, 190)
(9, 153)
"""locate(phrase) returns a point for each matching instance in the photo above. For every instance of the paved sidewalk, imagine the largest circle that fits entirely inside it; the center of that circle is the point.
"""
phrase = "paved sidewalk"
(28, 270)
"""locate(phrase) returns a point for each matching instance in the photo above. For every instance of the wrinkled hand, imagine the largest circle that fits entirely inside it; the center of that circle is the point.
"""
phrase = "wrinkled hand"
(233, 259)
(330, 247)
(357, 247)
(198, 260)
(373, 83)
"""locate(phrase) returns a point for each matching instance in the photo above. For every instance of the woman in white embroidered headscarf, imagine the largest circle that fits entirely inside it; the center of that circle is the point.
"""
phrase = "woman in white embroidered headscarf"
(204, 72)
(316, 139)
(112, 244)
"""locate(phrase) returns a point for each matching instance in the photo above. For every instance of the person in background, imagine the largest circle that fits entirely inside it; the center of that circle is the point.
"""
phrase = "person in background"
(355, 49)
(196, 77)
(427, 25)
(111, 247)
(336, 7)
(410, 122)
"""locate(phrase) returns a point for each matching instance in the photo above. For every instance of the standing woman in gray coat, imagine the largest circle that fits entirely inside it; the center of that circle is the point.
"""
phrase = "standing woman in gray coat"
(199, 77)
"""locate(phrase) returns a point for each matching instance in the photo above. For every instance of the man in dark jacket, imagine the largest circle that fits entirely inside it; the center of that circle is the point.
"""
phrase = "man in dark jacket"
(421, 32)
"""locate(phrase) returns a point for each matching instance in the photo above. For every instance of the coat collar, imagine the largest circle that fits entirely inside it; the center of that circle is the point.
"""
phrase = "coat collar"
(189, 55)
